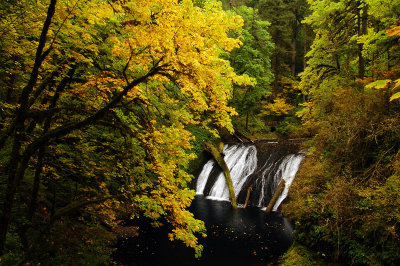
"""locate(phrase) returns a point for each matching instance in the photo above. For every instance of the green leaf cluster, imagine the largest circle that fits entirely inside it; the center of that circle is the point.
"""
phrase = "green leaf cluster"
(253, 59)
(344, 199)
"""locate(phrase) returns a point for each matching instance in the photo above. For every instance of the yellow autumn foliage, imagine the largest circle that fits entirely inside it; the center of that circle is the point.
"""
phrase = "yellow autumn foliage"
(135, 73)
(279, 107)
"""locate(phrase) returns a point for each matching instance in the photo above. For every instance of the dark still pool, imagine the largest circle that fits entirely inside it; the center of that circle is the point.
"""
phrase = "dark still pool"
(242, 237)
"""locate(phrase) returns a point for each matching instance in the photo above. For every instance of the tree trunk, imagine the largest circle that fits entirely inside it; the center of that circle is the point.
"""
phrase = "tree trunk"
(347, 64)
(277, 193)
(304, 46)
(247, 120)
(38, 172)
(362, 29)
(36, 183)
(294, 42)
(18, 163)
(240, 134)
(221, 162)
(294, 52)
(74, 206)
(275, 69)
(248, 196)
(13, 179)
(304, 56)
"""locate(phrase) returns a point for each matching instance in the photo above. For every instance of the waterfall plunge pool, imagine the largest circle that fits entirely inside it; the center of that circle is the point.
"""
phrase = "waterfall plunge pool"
(234, 237)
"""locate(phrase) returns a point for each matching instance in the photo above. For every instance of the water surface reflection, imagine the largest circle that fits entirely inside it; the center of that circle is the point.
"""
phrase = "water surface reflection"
(241, 237)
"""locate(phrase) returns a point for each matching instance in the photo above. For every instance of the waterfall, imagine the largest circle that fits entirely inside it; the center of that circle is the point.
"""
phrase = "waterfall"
(202, 179)
(241, 161)
(289, 168)
(263, 169)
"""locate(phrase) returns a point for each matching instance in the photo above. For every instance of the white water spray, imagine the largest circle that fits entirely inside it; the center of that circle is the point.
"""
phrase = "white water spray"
(288, 169)
(203, 177)
(242, 163)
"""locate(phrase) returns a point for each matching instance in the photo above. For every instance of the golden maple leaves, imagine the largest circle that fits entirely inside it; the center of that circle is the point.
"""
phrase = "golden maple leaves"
(185, 41)
(112, 43)
(188, 41)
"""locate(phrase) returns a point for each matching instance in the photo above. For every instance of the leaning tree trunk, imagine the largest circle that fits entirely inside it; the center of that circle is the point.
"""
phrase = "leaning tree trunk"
(277, 193)
(248, 196)
(221, 162)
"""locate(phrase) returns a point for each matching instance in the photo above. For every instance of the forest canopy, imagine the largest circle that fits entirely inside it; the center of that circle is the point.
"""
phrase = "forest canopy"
(105, 106)
(96, 101)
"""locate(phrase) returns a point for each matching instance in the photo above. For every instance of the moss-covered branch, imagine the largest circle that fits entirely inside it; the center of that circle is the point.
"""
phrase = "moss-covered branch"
(76, 205)
(277, 193)
(221, 162)
(248, 196)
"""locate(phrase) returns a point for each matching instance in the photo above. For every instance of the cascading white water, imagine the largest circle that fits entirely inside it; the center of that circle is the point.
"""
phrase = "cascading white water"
(263, 181)
(202, 179)
(288, 169)
(241, 161)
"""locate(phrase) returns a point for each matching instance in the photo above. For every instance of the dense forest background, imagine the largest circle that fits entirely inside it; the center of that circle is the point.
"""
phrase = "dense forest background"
(105, 106)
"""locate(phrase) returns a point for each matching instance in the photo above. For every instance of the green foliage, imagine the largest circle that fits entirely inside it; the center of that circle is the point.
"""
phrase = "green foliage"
(344, 199)
(341, 198)
(291, 126)
(201, 136)
(274, 46)
(291, 41)
(299, 255)
(252, 59)
(285, 18)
